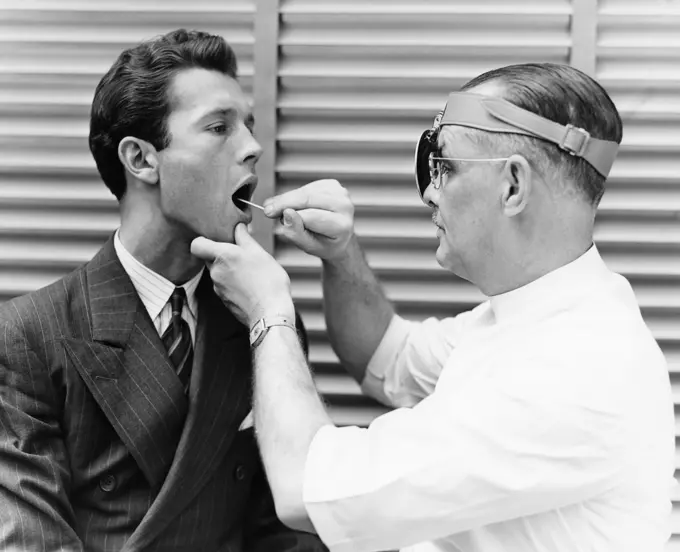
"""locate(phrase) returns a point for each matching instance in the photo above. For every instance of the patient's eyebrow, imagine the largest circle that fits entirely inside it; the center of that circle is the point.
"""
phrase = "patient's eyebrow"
(228, 113)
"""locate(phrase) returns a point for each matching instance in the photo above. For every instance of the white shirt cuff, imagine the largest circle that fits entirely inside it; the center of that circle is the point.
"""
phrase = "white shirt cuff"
(384, 358)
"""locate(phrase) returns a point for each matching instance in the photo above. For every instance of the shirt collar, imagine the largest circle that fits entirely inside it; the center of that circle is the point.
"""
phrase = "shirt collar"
(153, 289)
(552, 290)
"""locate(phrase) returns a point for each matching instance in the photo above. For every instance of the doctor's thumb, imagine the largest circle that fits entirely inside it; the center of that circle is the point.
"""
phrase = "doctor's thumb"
(292, 221)
(204, 249)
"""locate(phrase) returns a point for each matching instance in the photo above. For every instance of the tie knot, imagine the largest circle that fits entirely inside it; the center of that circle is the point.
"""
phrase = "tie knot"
(177, 300)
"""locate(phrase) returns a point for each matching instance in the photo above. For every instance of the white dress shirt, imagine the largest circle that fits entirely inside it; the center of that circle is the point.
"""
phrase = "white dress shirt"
(540, 421)
(154, 290)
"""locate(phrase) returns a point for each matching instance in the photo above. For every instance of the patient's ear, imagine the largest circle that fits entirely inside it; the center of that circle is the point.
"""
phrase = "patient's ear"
(140, 159)
(517, 185)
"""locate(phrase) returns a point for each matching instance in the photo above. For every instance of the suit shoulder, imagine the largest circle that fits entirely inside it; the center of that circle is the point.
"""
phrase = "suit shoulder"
(45, 312)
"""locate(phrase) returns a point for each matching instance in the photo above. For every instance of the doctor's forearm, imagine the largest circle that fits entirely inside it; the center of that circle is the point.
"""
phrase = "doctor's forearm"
(356, 309)
(288, 413)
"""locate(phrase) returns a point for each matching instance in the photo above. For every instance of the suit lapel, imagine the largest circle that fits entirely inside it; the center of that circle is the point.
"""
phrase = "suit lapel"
(127, 370)
(220, 398)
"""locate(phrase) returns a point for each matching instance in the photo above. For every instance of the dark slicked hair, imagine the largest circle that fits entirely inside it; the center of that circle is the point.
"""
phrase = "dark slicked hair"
(567, 96)
(132, 98)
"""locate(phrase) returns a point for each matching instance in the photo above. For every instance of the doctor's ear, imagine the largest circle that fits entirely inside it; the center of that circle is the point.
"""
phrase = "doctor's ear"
(517, 183)
(139, 158)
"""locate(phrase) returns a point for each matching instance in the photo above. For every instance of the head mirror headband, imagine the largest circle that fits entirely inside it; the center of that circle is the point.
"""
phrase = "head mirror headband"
(497, 115)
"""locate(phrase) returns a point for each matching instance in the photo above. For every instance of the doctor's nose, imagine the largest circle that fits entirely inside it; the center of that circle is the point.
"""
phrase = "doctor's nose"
(431, 196)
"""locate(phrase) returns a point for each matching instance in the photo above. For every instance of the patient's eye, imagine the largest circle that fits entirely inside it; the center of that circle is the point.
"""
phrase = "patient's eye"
(219, 128)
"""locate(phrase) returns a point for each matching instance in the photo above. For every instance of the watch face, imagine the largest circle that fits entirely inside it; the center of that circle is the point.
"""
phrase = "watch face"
(256, 332)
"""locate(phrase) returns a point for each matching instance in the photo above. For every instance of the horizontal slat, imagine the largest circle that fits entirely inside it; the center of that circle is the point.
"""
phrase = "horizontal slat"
(638, 36)
(301, 35)
(660, 51)
(638, 74)
(49, 252)
(677, 421)
(68, 190)
(612, 78)
(657, 11)
(111, 32)
(342, 415)
(675, 387)
(673, 544)
(67, 8)
(410, 8)
(464, 33)
(675, 517)
(337, 385)
(661, 107)
(671, 350)
(391, 71)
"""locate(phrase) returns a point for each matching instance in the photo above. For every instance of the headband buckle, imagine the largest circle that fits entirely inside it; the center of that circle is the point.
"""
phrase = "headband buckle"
(575, 140)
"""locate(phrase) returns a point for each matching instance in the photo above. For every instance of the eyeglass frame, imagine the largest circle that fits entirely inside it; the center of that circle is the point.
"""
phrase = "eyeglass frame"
(436, 181)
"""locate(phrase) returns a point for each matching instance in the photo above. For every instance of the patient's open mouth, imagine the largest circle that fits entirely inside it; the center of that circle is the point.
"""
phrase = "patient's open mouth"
(243, 194)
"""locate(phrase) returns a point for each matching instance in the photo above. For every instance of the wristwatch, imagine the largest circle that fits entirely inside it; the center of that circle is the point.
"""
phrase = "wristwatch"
(261, 327)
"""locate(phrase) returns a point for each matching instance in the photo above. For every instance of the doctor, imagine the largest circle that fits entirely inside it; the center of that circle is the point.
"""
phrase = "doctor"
(540, 421)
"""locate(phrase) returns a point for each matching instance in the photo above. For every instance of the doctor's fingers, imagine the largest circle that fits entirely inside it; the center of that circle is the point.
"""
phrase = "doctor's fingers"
(326, 223)
(292, 228)
(327, 197)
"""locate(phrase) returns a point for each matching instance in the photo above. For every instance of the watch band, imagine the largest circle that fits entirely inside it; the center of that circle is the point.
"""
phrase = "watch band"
(261, 327)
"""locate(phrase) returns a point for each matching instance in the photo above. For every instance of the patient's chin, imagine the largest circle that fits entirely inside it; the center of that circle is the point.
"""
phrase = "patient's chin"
(223, 233)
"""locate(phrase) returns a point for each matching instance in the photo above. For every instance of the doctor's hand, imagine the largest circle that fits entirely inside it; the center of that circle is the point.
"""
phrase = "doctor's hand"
(247, 279)
(318, 218)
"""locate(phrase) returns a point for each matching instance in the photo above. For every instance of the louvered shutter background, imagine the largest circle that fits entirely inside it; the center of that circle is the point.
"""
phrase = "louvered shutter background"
(55, 212)
(357, 83)
(638, 62)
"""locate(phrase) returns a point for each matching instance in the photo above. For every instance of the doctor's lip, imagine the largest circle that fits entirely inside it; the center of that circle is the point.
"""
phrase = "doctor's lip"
(435, 221)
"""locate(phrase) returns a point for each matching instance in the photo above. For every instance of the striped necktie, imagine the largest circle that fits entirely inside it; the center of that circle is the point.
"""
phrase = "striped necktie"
(177, 339)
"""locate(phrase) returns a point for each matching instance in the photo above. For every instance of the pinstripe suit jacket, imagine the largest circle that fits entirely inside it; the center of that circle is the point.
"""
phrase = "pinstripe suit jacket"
(100, 449)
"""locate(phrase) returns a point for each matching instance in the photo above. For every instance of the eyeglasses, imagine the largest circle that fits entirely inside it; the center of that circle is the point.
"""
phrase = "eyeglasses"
(438, 170)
